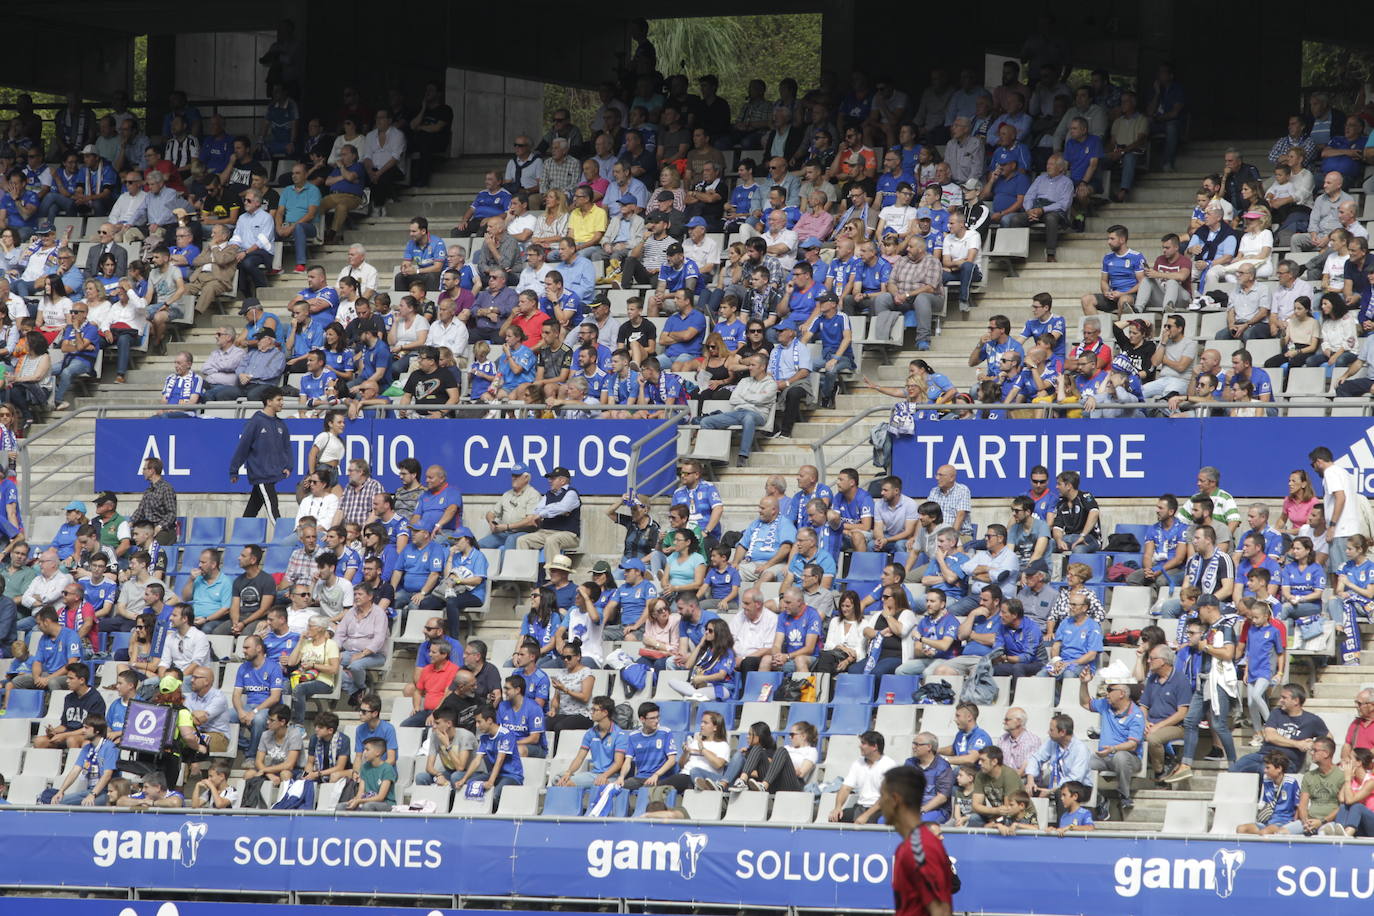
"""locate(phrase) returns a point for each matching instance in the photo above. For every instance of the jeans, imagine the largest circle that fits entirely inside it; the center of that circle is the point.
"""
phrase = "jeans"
(1357, 816)
(1129, 162)
(742, 416)
(423, 777)
(249, 737)
(298, 235)
(917, 666)
(1125, 764)
(830, 378)
(1296, 609)
(887, 665)
(1173, 132)
(501, 782)
(125, 338)
(300, 698)
(1250, 763)
(967, 274)
(355, 669)
(1350, 388)
(1254, 332)
(453, 608)
(1221, 724)
(73, 370)
(56, 205)
(1320, 358)
(499, 541)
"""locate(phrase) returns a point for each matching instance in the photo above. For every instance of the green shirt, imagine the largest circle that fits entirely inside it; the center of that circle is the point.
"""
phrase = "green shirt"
(996, 791)
(17, 582)
(1322, 791)
(373, 774)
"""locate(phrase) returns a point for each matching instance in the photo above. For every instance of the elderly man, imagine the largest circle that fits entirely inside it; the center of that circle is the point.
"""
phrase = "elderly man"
(562, 172)
(916, 284)
(1324, 219)
(260, 369)
(1168, 691)
(964, 152)
(208, 707)
(764, 548)
(754, 629)
(556, 522)
(256, 236)
(360, 270)
(221, 365)
(343, 192)
(212, 272)
(1120, 747)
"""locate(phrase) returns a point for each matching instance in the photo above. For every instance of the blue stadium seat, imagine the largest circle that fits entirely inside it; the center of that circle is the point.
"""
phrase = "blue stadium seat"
(285, 531)
(120, 641)
(901, 686)
(754, 682)
(1096, 561)
(806, 712)
(866, 565)
(675, 716)
(563, 801)
(849, 719)
(861, 587)
(206, 531)
(278, 555)
(26, 704)
(853, 688)
(726, 710)
(1100, 591)
(642, 800)
(249, 531)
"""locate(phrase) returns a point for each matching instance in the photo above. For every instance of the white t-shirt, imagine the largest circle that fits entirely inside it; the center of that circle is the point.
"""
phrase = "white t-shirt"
(1251, 244)
(1334, 267)
(364, 273)
(865, 780)
(897, 218)
(698, 763)
(801, 755)
(331, 448)
(957, 248)
(581, 626)
(1337, 480)
(707, 254)
(323, 508)
(521, 224)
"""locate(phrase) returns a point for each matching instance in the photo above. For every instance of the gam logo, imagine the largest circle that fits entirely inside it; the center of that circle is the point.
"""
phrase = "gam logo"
(111, 846)
(1134, 874)
(682, 856)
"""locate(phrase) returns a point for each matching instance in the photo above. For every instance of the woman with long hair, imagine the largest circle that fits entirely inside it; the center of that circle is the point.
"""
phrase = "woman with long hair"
(1301, 336)
(552, 225)
(23, 388)
(787, 768)
(1297, 505)
(711, 668)
(716, 373)
(704, 754)
(541, 623)
(845, 642)
(685, 570)
(1340, 333)
(894, 620)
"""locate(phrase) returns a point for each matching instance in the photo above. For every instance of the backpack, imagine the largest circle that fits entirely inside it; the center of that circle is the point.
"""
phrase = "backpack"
(789, 691)
(1122, 543)
(624, 715)
(979, 687)
(634, 677)
(938, 693)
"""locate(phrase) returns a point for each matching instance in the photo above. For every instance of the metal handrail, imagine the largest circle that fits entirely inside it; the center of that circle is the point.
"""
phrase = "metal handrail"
(676, 413)
(1297, 401)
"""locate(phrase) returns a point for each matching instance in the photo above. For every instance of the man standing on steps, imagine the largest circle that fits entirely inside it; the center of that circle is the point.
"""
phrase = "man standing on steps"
(265, 448)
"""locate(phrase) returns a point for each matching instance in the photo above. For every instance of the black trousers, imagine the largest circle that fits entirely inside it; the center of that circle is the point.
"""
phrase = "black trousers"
(262, 494)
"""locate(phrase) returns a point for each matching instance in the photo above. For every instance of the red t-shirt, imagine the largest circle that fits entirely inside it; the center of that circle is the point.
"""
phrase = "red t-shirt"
(434, 683)
(915, 887)
(1180, 266)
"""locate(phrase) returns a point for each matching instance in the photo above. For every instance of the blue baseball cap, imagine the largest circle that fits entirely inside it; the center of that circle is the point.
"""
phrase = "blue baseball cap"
(632, 564)
(628, 200)
(923, 213)
(517, 469)
(464, 532)
(696, 221)
(809, 242)
(76, 505)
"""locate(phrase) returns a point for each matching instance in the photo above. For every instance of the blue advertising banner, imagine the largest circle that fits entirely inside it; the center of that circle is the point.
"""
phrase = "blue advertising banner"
(72, 906)
(814, 867)
(1124, 457)
(478, 454)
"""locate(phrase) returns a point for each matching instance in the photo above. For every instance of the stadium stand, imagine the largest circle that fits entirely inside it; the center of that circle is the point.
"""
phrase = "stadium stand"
(790, 650)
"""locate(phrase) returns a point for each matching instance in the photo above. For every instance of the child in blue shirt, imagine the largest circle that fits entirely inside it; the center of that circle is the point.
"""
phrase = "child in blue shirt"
(482, 372)
(1076, 816)
(721, 587)
(1279, 794)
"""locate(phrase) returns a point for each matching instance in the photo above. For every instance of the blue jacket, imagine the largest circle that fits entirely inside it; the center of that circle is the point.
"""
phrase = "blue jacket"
(265, 446)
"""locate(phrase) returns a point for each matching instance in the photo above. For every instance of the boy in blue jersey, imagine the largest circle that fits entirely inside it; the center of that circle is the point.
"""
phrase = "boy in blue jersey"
(651, 751)
(1072, 796)
(1043, 321)
(497, 762)
(1278, 801)
(523, 718)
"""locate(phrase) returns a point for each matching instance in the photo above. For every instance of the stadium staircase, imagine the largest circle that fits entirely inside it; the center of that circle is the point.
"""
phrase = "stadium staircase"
(63, 464)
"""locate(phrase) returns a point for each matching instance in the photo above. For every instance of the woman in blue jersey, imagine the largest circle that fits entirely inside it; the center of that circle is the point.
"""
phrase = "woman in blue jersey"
(712, 666)
(1302, 582)
(1354, 596)
(540, 623)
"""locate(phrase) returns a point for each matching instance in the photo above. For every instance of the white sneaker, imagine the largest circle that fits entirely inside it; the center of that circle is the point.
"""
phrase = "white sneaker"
(1257, 741)
(1198, 304)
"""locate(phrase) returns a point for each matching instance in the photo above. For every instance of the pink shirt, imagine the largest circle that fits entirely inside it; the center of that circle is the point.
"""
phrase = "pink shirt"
(1298, 512)
(814, 226)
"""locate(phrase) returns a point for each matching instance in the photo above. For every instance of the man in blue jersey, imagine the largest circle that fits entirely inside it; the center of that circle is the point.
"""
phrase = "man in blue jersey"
(705, 507)
(606, 745)
(524, 718)
(832, 330)
(798, 639)
(1121, 725)
(419, 567)
(258, 687)
(1165, 548)
(440, 507)
(853, 507)
(1123, 271)
(763, 550)
(628, 601)
(651, 751)
(1043, 321)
